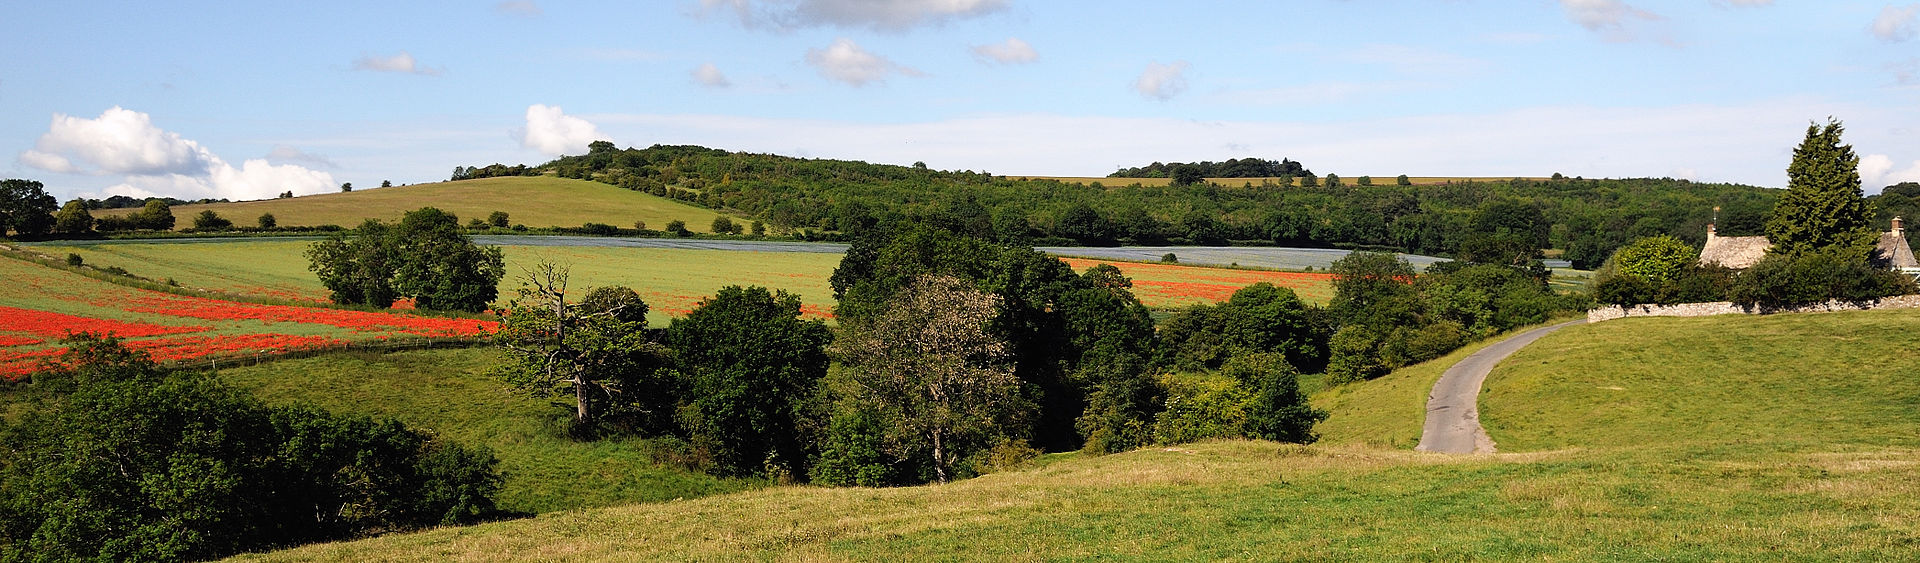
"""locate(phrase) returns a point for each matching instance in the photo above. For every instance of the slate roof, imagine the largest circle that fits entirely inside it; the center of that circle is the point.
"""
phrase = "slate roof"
(1893, 251)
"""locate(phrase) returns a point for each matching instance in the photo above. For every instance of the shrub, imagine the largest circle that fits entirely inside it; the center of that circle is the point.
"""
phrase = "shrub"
(1658, 259)
(267, 221)
(1354, 355)
(601, 229)
(497, 219)
(1170, 258)
(1201, 406)
(207, 220)
(74, 260)
(722, 225)
(1623, 290)
(1832, 273)
(1276, 410)
(852, 453)
(678, 228)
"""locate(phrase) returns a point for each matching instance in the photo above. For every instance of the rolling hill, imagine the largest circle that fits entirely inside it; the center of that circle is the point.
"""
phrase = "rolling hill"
(1632, 448)
(534, 201)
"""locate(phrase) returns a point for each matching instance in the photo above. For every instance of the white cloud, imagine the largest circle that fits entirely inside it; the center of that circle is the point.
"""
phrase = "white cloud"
(402, 63)
(284, 153)
(1601, 15)
(1162, 82)
(554, 133)
(1878, 171)
(521, 8)
(1011, 51)
(710, 76)
(154, 161)
(845, 61)
(1895, 23)
(120, 141)
(881, 15)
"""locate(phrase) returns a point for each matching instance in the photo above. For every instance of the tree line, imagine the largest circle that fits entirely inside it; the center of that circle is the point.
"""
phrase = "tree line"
(819, 198)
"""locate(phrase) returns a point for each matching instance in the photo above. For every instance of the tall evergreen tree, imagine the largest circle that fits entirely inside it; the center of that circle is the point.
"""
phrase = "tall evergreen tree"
(1822, 206)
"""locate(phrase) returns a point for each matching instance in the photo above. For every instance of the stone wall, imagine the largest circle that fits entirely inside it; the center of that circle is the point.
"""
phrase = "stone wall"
(1611, 312)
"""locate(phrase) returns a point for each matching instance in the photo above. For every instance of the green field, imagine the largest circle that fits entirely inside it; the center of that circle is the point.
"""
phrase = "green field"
(671, 281)
(534, 201)
(1801, 445)
(452, 393)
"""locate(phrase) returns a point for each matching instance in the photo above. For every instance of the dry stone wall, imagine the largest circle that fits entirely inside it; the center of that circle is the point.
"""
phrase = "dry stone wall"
(1727, 308)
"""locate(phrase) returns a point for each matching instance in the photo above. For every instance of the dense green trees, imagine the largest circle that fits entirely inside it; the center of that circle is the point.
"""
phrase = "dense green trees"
(1822, 206)
(425, 257)
(73, 219)
(595, 350)
(1232, 168)
(208, 220)
(154, 215)
(25, 208)
(1587, 218)
(110, 457)
(1388, 317)
(750, 363)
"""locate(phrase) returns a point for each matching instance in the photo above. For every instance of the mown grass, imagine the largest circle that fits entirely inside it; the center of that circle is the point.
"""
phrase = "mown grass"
(1829, 470)
(1806, 380)
(1257, 501)
(535, 201)
(452, 393)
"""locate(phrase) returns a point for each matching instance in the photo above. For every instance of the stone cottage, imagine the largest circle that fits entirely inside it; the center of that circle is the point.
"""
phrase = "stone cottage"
(1740, 253)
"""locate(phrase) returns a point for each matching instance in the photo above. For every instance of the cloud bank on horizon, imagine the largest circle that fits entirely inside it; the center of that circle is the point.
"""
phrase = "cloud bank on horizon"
(1713, 90)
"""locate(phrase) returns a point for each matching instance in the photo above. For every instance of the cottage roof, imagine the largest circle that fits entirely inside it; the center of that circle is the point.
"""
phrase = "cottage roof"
(1893, 250)
(1738, 253)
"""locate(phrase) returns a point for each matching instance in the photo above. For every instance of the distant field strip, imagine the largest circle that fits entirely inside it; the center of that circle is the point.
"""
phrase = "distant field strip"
(535, 201)
(673, 275)
(1256, 256)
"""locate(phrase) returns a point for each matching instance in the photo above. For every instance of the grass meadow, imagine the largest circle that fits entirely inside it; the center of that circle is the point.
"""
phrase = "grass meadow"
(1801, 446)
(453, 393)
(672, 281)
(534, 201)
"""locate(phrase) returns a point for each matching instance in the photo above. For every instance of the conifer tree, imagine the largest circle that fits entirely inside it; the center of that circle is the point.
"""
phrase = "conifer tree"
(1822, 207)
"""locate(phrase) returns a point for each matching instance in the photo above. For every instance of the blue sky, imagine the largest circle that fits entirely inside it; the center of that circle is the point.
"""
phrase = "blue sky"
(196, 99)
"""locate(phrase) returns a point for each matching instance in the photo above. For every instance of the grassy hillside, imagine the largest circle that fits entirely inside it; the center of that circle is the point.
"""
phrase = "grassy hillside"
(451, 393)
(1803, 448)
(1803, 381)
(534, 201)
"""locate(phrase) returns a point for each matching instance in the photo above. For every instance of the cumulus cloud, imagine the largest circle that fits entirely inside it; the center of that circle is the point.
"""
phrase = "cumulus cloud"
(845, 61)
(1878, 171)
(553, 132)
(159, 162)
(1162, 82)
(521, 8)
(401, 63)
(1895, 23)
(710, 76)
(1011, 51)
(881, 15)
(120, 141)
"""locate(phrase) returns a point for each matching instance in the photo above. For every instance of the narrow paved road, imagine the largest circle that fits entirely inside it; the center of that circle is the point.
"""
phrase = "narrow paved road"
(1453, 412)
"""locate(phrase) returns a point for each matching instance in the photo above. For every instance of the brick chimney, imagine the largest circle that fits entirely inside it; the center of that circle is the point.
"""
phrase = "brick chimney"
(1896, 225)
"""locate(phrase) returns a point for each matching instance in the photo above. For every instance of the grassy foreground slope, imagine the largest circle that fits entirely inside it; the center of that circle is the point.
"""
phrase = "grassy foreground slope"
(451, 393)
(534, 201)
(1839, 480)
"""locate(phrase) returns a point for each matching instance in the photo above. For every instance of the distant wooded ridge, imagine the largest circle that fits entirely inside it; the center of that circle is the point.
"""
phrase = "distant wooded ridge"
(1232, 168)
(1585, 218)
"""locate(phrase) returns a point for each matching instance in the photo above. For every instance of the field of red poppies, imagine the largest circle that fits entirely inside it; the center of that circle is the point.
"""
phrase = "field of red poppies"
(39, 306)
(1169, 285)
